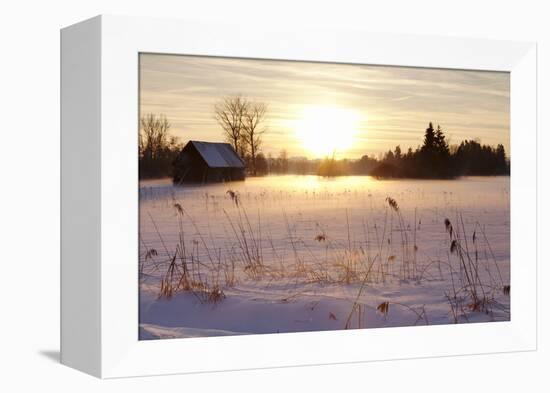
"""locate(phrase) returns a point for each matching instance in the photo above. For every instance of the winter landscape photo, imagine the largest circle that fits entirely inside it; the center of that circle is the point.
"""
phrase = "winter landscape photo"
(285, 196)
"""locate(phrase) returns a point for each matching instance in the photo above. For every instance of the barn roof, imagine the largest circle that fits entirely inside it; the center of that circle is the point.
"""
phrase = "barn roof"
(218, 155)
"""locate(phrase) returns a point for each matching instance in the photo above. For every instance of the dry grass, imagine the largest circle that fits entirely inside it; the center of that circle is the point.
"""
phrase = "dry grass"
(387, 250)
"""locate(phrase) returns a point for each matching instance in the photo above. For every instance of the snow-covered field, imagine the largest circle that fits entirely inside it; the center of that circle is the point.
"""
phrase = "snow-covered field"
(303, 253)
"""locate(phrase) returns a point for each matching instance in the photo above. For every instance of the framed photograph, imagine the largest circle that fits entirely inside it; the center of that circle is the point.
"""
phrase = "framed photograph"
(242, 197)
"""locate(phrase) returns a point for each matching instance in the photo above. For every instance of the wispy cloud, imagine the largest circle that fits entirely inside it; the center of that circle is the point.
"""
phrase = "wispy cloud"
(396, 103)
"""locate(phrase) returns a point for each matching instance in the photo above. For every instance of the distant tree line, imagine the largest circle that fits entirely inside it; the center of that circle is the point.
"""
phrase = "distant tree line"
(242, 124)
(435, 159)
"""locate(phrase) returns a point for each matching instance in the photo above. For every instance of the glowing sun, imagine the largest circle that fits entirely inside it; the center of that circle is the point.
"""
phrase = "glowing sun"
(325, 131)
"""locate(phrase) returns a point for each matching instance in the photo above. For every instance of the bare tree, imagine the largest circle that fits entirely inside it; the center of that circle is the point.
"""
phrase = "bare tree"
(153, 137)
(229, 114)
(157, 148)
(253, 129)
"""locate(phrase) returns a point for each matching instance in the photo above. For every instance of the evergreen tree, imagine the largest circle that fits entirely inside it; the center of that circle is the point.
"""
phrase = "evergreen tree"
(441, 145)
(429, 139)
(500, 156)
(397, 152)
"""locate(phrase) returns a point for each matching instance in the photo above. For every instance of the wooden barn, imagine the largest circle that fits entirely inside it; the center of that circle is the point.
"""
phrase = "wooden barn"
(204, 162)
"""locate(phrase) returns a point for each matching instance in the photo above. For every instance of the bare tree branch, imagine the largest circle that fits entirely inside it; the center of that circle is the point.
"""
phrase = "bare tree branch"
(229, 113)
(253, 129)
(153, 137)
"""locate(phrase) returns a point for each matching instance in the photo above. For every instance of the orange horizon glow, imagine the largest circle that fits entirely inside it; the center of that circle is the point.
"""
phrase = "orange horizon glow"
(317, 110)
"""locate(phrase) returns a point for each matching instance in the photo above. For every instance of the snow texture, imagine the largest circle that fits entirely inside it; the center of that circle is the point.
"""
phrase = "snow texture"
(301, 253)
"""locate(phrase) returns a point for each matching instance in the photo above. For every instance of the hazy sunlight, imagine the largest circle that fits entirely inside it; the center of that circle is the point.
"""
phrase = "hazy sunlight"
(327, 130)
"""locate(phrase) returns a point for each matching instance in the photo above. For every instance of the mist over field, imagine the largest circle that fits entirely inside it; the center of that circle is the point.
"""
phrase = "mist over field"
(304, 253)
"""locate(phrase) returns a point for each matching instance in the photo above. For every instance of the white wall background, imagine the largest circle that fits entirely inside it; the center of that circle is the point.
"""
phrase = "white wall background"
(29, 193)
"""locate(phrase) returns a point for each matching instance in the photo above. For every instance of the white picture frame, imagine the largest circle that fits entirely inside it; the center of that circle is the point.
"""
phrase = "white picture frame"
(99, 174)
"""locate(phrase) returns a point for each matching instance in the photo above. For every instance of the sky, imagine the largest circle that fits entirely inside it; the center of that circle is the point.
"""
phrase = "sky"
(349, 109)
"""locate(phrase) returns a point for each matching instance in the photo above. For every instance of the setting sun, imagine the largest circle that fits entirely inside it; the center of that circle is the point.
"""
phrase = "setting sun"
(327, 130)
